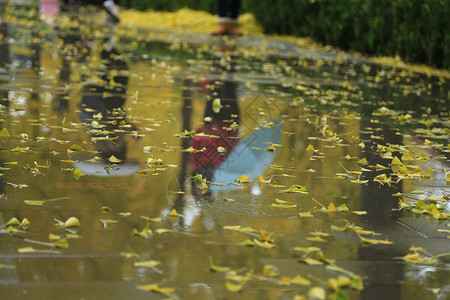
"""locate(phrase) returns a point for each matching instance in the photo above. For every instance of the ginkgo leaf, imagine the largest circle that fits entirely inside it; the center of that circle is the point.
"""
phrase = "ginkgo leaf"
(13, 222)
(174, 213)
(363, 162)
(307, 250)
(296, 189)
(217, 268)
(154, 220)
(247, 242)
(129, 254)
(263, 244)
(53, 237)
(316, 239)
(147, 264)
(76, 148)
(317, 293)
(262, 180)
(300, 280)
(216, 105)
(234, 287)
(107, 222)
(4, 133)
(310, 261)
(71, 222)
(283, 205)
(243, 179)
(374, 241)
(163, 230)
(271, 271)
(77, 173)
(157, 289)
(264, 236)
(113, 159)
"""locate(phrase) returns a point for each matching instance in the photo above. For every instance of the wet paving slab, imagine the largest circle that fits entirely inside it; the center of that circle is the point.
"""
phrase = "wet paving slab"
(214, 168)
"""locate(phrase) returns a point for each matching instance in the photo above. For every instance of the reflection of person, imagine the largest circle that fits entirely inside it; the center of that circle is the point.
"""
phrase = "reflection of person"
(4, 62)
(382, 217)
(220, 136)
(228, 11)
(112, 12)
(108, 99)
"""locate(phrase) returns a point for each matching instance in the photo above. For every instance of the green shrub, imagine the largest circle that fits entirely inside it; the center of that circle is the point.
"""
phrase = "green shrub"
(417, 30)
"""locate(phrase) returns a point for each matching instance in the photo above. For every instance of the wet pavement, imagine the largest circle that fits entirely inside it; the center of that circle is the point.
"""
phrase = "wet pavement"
(204, 167)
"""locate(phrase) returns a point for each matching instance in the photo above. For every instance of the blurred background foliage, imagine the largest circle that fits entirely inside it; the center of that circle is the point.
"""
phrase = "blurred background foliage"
(416, 30)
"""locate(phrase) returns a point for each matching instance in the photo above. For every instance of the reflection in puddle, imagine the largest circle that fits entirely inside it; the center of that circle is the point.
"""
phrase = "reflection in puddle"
(164, 128)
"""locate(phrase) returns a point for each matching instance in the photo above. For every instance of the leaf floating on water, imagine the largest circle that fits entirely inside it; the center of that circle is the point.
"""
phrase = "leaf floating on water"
(157, 289)
(147, 264)
(174, 213)
(221, 149)
(20, 149)
(77, 173)
(271, 148)
(41, 202)
(240, 228)
(215, 268)
(32, 250)
(243, 179)
(360, 212)
(234, 287)
(264, 236)
(70, 222)
(216, 105)
(163, 230)
(300, 280)
(25, 223)
(112, 159)
(317, 293)
(62, 243)
(247, 243)
(146, 232)
(271, 271)
(264, 244)
(53, 237)
(76, 148)
(105, 209)
(4, 133)
(374, 241)
(262, 180)
(310, 261)
(129, 254)
(363, 162)
(34, 202)
(106, 223)
(154, 220)
(295, 189)
(13, 222)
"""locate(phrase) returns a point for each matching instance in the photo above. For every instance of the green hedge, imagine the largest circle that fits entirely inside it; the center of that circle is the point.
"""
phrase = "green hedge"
(416, 30)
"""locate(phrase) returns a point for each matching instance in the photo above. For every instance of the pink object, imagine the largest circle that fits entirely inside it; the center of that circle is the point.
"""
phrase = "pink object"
(48, 9)
(227, 139)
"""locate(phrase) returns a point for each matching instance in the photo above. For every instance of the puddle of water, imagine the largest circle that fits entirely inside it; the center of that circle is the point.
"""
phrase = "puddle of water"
(142, 121)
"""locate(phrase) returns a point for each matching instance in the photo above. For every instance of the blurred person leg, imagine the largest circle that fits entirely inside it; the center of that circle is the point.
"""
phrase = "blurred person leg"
(228, 11)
